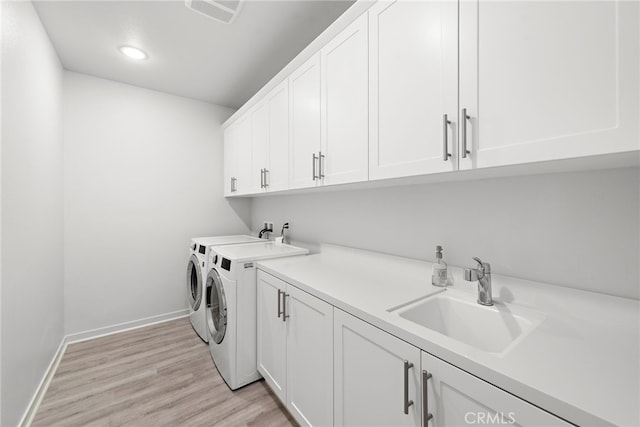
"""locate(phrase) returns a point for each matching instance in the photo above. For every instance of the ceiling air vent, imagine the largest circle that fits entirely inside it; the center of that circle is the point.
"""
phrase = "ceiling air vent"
(221, 10)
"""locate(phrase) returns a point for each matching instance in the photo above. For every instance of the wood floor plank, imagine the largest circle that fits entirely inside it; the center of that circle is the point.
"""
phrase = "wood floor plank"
(160, 375)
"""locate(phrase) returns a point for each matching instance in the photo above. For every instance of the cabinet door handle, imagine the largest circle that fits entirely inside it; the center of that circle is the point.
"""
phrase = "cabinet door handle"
(279, 304)
(266, 177)
(233, 184)
(426, 415)
(445, 137)
(320, 165)
(313, 165)
(285, 316)
(407, 402)
(463, 132)
(261, 178)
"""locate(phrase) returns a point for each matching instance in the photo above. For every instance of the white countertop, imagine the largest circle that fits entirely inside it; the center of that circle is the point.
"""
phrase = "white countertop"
(582, 363)
(257, 251)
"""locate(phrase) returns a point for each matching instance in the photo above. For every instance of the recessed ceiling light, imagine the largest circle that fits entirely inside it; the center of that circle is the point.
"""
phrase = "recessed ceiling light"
(133, 52)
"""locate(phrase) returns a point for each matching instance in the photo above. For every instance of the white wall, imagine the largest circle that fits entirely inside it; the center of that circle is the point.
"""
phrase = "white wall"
(574, 229)
(143, 174)
(32, 206)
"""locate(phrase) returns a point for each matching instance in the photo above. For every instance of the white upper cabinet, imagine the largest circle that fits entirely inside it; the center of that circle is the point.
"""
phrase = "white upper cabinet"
(304, 96)
(329, 112)
(345, 106)
(242, 154)
(259, 147)
(270, 142)
(545, 80)
(277, 168)
(230, 161)
(425, 87)
(413, 72)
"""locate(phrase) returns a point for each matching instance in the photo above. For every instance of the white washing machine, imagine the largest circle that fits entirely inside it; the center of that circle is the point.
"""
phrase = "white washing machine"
(196, 275)
(231, 307)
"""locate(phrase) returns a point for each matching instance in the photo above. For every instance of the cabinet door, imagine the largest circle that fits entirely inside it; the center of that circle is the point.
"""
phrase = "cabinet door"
(413, 83)
(547, 80)
(278, 155)
(304, 93)
(230, 160)
(271, 334)
(369, 375)
(259, 140)
(242, 141)
(457, 398)
(345, 105)
(309, 358)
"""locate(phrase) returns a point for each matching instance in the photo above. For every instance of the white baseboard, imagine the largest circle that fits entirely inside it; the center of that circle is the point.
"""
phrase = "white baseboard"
(126, 326)
(34, 404)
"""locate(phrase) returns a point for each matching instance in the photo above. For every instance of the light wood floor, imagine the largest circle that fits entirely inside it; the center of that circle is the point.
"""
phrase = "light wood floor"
(158, 375)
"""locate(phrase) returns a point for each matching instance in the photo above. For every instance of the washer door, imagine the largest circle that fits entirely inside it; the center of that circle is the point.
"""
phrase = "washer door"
(194, 283)
(216, 307)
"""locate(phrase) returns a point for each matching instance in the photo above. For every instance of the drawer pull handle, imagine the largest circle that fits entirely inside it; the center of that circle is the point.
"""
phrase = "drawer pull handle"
(285, 316)
(320, 165)
(463, 133)
(313, 165)
(445, 137)
(426, 415)
(279, 303)
(407, 402)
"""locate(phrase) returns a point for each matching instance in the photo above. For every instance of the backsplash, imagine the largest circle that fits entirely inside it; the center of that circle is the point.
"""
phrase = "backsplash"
(579, 230)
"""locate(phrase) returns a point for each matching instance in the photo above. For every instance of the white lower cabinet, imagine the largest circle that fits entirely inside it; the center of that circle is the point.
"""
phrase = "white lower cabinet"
(331, 368)
(372, 384)
(295, 349)
(271, 334)
(455, 398)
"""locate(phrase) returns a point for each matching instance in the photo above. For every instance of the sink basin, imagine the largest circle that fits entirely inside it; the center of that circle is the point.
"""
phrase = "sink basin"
(493, 329)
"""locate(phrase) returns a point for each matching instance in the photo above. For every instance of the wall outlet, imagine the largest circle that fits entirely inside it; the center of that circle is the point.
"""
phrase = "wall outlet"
(268, 226)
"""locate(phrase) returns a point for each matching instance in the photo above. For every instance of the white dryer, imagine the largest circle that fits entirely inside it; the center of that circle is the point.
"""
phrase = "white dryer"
(231, 307)
(196, 275)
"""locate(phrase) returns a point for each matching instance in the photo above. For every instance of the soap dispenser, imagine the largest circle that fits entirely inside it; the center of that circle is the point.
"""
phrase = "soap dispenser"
(439, 269)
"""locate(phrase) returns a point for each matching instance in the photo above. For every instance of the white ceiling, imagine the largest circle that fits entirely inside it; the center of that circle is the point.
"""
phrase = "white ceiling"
(189, 54)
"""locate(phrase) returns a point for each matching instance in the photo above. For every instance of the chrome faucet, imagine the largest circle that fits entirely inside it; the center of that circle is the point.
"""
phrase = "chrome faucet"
(285, 236)
(483, 275)
(265, 230)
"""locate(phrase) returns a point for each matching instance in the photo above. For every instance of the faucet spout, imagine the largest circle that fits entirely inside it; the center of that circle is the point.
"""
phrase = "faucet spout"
(483, 275)
(285, 236)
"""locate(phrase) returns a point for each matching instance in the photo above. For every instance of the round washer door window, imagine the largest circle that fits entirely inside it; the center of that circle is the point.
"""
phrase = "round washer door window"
(216, 307)
(194, 283)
